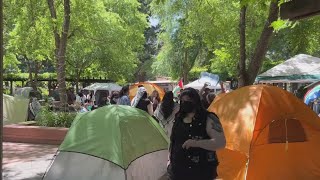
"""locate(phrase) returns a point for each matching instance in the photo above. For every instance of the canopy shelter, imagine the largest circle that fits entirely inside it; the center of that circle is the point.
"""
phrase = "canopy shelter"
(205, 78)
(112, 143)
(150, 87)
(103, 86)
(270, 134)
(301, 68)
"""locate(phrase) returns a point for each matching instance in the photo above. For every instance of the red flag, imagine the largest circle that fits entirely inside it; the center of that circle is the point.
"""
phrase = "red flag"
(180, 84)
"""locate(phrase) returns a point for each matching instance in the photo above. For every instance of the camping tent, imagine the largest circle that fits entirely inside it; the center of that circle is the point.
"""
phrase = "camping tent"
(113, 142)
(150, 87)
(301, 68)
(15, 109)
(271, 130)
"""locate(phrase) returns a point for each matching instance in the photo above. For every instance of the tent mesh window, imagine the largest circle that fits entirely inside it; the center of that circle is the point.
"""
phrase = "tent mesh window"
(290, 130)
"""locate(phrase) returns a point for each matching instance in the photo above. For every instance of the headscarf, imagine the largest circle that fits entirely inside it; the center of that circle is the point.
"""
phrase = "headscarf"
(136, 99)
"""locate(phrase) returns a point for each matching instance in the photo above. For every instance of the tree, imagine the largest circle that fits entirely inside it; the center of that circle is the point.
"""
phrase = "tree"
(60, 44)
(247, 74)
(107, 42)
(181, 43)
(151, 47)
(28, 42)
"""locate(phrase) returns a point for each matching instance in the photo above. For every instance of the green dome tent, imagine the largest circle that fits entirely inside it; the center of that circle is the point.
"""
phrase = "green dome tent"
(111, 143)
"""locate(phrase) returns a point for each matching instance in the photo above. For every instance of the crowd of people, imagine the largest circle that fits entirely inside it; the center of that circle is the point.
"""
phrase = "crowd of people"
(195, 134)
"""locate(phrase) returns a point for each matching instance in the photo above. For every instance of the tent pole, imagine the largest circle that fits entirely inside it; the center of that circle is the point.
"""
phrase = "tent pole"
(1, 85)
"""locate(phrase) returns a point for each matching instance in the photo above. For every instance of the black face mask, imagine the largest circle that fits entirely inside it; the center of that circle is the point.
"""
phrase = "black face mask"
(187, 107)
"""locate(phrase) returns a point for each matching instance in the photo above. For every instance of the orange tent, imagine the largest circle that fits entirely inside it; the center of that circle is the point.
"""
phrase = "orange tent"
(270, 134)
(218, 97)
(150, 87)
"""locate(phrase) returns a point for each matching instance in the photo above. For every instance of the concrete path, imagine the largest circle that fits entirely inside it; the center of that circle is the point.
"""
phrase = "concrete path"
(26, 161)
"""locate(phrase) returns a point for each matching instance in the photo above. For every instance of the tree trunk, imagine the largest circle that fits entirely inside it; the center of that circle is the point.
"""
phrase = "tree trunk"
(61, 46)
(36, 68)
(30, 70)
(62, 53)
(77, 81)
(262, 45)
(242, 62)
(185, 68)
(247, 75)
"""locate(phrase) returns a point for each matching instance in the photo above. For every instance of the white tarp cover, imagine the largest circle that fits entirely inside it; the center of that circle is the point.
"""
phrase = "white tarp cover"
(300, 68)
(77, 166)
(205, 77)
(15, 109)
(103, 86)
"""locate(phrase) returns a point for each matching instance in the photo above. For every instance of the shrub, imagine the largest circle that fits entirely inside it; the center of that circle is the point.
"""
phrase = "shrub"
(55, 119)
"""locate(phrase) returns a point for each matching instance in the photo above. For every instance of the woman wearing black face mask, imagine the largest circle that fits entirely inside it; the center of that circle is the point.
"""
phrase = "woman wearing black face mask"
(196, 135)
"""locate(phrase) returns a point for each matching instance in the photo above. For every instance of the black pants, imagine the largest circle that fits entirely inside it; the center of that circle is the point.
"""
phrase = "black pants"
(204, 173)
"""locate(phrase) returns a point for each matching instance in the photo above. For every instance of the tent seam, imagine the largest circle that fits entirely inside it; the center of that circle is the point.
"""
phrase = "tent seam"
(111, 161)
(251, 143)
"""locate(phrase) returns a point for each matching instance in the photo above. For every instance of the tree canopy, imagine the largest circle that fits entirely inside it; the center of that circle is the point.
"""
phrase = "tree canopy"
(131, 40)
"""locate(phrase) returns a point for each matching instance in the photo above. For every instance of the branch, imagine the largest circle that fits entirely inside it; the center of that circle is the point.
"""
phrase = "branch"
(53, 14)
(72, 33)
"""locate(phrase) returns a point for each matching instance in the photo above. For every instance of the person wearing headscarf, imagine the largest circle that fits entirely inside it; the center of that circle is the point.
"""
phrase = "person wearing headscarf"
(138, 96)
(166, 112)
(142, 102)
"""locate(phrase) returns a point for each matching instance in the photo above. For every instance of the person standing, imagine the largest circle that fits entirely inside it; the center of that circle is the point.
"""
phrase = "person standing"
(124, 96)
(155, 99)
(196, 135)
(166, 112)
(142, 102)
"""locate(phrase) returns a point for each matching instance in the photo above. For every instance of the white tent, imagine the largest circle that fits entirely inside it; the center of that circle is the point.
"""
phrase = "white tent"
(103, 86)
(198, 84)
(299, 69)
(206, 78)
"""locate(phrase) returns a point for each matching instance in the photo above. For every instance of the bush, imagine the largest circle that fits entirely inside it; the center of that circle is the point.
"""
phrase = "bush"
(55, 119)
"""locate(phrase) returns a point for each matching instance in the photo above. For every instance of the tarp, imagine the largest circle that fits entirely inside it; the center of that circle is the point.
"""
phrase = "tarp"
(150, 87)
(15, 109)
(300, 68)
(271, 130)
(103, 86)
(312, 94)
(112, 142)
(205, 77)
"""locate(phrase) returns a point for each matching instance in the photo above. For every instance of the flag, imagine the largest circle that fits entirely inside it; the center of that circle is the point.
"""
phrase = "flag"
(180, 84)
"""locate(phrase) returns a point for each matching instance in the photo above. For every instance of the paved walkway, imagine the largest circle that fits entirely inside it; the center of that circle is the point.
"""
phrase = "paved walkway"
(26, 161)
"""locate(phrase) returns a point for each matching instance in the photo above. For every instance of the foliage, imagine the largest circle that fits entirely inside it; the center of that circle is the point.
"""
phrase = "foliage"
(215, 26)
(105, 37)
(26, 75)
(196, 71)
(54, 119)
